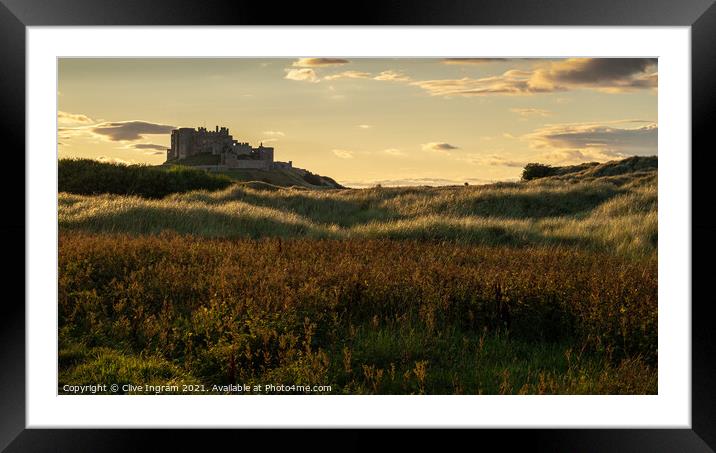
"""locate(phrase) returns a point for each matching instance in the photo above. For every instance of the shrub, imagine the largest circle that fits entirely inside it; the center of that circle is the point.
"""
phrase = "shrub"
(313, 179)
(535, 170)
(91, 177)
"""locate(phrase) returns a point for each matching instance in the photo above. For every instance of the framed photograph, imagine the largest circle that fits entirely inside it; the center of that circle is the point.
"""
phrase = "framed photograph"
(471, 216)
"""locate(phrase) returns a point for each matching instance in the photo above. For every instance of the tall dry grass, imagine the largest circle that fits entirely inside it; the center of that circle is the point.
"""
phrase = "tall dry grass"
(596, 215)
(548, 286)
(343, 312)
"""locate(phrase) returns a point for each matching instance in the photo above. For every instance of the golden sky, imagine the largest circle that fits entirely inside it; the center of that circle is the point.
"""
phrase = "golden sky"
(366, 121)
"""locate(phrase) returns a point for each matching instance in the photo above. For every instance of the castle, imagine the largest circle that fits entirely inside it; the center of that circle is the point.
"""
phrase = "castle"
(217, 150)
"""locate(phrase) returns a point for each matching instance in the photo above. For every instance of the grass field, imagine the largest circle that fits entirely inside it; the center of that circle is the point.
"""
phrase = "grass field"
(546, 286)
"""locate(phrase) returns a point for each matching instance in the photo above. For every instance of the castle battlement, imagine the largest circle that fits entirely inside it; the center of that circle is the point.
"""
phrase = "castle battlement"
(187, 142)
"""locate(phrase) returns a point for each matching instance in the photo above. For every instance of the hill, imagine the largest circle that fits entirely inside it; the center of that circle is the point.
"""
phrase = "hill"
(288, 177)
(531, 287)
(614, 212)
(285, 177)
(91, 177)
(616, 171)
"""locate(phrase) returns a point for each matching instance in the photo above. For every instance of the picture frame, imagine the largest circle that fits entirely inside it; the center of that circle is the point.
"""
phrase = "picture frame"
(17, 15)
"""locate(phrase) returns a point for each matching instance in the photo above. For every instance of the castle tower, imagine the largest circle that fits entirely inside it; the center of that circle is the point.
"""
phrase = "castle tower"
(183, 142)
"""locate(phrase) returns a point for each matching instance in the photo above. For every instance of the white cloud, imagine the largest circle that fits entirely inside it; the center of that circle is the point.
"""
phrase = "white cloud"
(303, 74)
(114, 160)
(343, 153)
(394, 152)
(392, 76)
(493, 160)
(66, 118)
(511, 82)
(365, 126)
(274, 133)
(349, 75)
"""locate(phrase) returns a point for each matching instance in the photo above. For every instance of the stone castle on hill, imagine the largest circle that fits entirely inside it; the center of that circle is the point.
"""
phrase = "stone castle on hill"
(217, 150)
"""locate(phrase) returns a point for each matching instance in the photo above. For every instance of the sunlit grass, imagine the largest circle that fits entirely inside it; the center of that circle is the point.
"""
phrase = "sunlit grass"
(594, 215)
(545, 287)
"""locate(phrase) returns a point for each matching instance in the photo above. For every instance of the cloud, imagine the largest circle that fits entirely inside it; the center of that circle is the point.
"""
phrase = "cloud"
(576, 156)
(343, 153)
(129, 130)
(438, 146)
(384, 76)
(392, 76)
(319, 62)
(510, 82)
(114, 160)
(602, 71)
(155, 153)
(365, 126)
(66, 118)
(527, 112)
(69, 132)
(579, 142)
(269, 140)
(150, 146)
(274, 133)
(349, 75)
(493, 160)
(394, 152)
(304, 75)
(612, 75)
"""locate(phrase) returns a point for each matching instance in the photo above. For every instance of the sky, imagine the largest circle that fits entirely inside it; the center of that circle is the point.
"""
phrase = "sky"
(368, 121)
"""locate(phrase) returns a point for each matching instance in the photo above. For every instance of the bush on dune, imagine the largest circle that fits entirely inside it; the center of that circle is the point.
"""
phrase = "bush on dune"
(91, 177)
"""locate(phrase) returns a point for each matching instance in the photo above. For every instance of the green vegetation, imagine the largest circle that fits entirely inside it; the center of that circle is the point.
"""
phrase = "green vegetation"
(541, 286)
(326, 311)
(600, 214)
(89, 177)
(535, 170)
(626, 169)
(281, 178)
(198, 159)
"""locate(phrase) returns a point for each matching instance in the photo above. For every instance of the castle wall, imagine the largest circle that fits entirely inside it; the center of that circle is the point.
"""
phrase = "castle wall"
(251, 164)
(187, 142)
(265, 153)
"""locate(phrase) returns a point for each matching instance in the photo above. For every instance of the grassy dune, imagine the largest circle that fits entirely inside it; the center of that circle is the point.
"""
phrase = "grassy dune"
(547, 286)
(598, 215)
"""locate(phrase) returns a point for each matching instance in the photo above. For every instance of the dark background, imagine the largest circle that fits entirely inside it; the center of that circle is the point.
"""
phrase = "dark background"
(15, 15)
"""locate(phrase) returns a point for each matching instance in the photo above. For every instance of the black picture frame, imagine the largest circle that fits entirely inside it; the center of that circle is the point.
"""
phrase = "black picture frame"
(16, 15)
